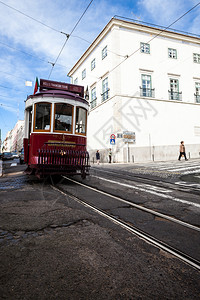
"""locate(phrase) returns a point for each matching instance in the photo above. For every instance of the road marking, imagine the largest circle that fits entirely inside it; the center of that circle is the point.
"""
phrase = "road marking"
(150, 192)
(133, 230)
(187, 184)
(143, 208)
(183, 168)
(13, 165)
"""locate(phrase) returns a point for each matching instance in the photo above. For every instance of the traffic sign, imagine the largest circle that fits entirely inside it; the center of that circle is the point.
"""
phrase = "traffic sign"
(112, 141)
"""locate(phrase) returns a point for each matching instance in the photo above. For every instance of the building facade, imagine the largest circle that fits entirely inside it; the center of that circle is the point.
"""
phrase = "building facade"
(14, 138)
(144, 92)
(7, 143)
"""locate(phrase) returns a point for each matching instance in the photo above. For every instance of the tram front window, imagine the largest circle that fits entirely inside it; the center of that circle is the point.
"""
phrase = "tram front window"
(63, 117)
(81, 116)
(42, 116)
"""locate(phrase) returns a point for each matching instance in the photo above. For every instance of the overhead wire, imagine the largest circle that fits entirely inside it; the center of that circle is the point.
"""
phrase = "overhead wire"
(41, 59)
(52, 28)
(19, 11)
(68, 36)
(97, 45)
(6, 87)
(13, 75)
(165, 28)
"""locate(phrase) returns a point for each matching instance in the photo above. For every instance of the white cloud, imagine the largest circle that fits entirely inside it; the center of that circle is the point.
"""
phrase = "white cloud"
(165, 12)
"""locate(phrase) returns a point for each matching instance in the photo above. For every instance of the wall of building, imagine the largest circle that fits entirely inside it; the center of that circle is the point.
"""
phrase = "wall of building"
(159, 123)
(14, 138)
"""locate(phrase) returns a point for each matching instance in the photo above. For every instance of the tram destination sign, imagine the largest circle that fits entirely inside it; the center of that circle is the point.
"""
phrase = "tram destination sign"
(56, 85)
(129, 137)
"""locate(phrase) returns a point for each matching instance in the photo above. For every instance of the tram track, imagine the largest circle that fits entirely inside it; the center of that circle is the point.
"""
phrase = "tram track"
(143, 179)
(132, 228)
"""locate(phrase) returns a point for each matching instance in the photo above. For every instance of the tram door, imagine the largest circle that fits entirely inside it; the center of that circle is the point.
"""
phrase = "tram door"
(29, 122)
(29, 131)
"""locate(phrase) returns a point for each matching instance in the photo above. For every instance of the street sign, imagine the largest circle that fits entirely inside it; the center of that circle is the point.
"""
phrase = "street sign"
(112, 141)
(129, 137)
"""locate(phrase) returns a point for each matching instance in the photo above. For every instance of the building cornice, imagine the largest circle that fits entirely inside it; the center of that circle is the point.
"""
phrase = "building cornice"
(153, 31)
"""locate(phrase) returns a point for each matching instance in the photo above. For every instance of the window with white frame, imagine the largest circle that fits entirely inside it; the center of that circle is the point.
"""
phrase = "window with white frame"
(196, 58)
(145, 48)
(76, 80)
(174, 93)
(197, 92)
(93, 101)
(104, 52)
(93, 64)
(172, 53)
(83, 74)
(146, 90)
(105, 89)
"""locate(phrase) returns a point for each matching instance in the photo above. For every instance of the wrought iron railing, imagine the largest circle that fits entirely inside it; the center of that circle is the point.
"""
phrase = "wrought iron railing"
(146, 92)
(175, 95)
(105, 95)
(197, 98)
(93, 103)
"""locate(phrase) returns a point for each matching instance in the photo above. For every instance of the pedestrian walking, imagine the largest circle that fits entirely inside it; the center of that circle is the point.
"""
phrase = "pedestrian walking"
(98, 157)
(110, 155)
(182, 151)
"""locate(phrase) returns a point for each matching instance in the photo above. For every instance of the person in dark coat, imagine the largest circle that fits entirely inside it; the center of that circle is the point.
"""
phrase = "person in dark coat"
(182, 151)
(98, 157)
(110, 155)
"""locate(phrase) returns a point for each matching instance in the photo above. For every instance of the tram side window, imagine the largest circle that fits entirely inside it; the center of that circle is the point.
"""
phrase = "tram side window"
(81, 117)
(63, 117)
(42, 116)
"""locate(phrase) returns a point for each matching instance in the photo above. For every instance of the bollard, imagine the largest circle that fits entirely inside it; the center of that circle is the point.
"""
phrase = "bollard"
(189, 154)
(133, 158)
(93, 160)
(153, 157)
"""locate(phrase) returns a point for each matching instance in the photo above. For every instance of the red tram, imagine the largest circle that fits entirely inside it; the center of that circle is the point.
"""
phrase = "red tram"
(55, 130)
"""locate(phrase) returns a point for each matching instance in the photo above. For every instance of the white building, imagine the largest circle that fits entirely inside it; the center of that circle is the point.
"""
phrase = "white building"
(18, 136)
(145, 81)
(14, 138)
(7, 143)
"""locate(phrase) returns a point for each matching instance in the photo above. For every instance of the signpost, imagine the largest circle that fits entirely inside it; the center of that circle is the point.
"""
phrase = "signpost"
(112, 139)
(128, 137)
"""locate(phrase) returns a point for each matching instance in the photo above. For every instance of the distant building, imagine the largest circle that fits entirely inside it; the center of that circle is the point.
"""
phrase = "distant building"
(17, 136)
(14, 138)
(7, 143)
(144, 87)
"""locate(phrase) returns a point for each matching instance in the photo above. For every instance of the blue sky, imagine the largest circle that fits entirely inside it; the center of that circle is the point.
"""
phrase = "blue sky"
(27, 46)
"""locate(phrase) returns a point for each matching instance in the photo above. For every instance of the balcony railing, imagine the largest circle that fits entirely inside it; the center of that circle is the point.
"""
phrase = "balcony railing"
(175, 95)
(105, 95)
(197, 98)
(93, 103)
(145, 92)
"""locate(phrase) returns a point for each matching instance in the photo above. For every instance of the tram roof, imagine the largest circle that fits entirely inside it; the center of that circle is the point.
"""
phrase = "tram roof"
(58, 94)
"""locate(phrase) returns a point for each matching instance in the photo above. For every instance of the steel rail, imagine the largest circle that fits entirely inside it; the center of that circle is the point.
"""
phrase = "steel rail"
(139, 178)
(148, 210)
(138, 232)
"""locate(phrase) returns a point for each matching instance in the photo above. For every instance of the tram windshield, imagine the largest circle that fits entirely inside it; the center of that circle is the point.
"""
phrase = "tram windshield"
(63, 117)
(42, 116)
(81, 116)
